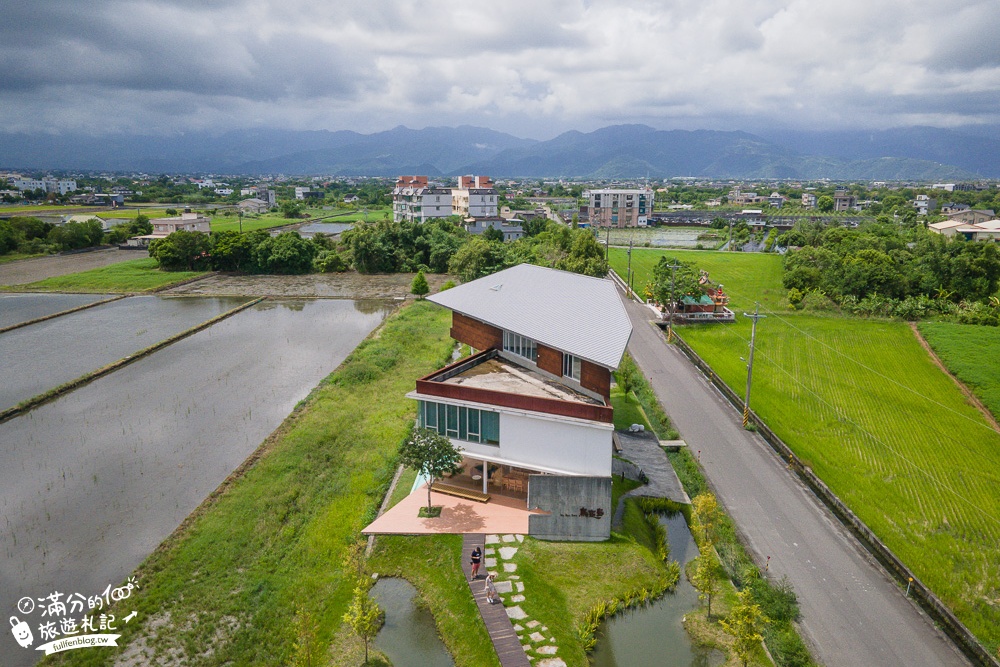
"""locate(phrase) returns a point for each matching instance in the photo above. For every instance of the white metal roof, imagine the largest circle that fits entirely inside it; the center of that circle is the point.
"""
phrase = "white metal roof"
(570, 312)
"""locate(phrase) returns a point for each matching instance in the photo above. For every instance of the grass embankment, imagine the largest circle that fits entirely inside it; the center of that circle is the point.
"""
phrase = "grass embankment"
(134, 275)
(16, 256)
(863, 404)
(273, 542)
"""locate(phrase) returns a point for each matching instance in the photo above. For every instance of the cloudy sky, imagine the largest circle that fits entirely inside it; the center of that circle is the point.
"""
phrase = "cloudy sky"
(529, 67)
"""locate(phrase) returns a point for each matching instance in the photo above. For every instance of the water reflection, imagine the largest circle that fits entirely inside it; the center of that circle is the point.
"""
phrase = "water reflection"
(409, 637)
(654, 636)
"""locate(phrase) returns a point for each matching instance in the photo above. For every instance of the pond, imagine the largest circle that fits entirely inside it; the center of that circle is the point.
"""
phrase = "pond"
(658, 237)
(409, 637)
(44, 355)
(17, 308)
(654, 636)
(91, 483)
(330, 228)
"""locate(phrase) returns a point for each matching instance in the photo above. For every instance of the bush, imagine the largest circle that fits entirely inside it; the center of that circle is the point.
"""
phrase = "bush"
(329, 261)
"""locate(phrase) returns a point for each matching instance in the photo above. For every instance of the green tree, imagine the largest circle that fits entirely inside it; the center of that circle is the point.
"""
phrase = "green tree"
(431, 454)
(478, 258)
(627, 375)
(419, 286)
(181, 251)
(307, 647)
(744, 624)
(287, 253)
(364, 616)
(824, 204)
(685, 280)
(707, 575)
(706, 508)
(9, 238)
(493, 234)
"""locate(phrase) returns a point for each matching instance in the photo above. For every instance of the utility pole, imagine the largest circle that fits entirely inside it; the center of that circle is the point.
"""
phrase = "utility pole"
(673, 302)
(241, 221)
(753, 339)
(628, 275)
(729, 246)
(607, 245)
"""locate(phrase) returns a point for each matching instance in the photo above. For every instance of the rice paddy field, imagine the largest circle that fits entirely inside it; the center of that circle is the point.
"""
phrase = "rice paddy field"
(864, 405)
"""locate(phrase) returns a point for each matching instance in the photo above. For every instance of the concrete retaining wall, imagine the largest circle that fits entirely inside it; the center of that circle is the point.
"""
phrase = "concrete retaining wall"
(579, 508)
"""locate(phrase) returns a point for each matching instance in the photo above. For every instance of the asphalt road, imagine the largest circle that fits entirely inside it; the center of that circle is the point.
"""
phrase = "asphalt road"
(852, 613)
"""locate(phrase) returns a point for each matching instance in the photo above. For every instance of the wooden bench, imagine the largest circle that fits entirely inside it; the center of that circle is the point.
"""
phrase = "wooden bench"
(460, 492)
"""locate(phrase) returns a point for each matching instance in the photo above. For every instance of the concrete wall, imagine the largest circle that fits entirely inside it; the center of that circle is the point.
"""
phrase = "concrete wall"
(579, 508)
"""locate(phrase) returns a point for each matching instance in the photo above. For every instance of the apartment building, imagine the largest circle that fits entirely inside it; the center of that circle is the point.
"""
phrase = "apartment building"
(619, 208)
(475, 197)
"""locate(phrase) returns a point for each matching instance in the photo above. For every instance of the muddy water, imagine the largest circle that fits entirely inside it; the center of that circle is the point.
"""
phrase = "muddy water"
(41, 356)
(91, 483)
(408, 638)
(17, 308)
(331, 228)
(654, 636)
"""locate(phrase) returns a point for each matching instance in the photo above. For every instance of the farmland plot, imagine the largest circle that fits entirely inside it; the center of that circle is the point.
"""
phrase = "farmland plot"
(863, 404)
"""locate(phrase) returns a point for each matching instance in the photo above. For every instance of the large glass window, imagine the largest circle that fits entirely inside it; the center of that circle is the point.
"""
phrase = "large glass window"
(461, 423)
(571, 366)
(520, 345)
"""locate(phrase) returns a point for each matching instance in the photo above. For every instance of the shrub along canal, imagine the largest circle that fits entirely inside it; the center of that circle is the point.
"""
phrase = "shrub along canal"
(654, 636)
(91, 483)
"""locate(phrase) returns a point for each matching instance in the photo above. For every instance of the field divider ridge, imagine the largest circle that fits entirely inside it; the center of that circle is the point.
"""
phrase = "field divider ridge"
(61, 313)
(966, 642)
(66, 387)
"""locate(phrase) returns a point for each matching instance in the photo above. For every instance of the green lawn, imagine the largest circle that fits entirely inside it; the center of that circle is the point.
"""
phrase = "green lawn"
(972, 353)
(862, 403)
(274, 541)
(746, 277)
(134, 275)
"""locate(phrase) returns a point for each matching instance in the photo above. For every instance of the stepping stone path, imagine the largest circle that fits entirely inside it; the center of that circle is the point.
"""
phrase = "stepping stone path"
(539, 644)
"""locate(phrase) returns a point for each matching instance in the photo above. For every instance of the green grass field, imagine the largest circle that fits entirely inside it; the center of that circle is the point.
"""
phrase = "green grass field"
(972, 354)
(133, 275)
(863, 404)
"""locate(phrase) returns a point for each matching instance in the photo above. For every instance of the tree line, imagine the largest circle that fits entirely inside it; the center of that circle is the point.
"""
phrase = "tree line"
(31, 236)
(881, 268)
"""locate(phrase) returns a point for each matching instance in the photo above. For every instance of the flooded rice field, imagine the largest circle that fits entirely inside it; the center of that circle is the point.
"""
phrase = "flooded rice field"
(41, 356)
(17, 308)
(662, 237)
(409, 637)
(654, 636)
(91, 483)
(331, 228)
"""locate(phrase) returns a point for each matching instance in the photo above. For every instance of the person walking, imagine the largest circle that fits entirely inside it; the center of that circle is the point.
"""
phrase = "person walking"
(491, 589)
(477, 558)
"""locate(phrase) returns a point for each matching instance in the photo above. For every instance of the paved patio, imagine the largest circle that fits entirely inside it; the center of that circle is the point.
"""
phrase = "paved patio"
(458, 516)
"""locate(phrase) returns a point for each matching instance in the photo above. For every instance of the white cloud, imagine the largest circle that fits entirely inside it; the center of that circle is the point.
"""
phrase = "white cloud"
(524, 66)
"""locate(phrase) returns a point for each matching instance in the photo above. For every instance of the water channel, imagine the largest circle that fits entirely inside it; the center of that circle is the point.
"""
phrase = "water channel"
(654, 636)
(331, 228)
(91, 483)
(44, 355)
(409, 637)
(17, 308)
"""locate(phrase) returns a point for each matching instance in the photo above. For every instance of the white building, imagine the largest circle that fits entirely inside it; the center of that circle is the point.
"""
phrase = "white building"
(59, 186)
(24, 184)
(415, 200)
(532, 408)
(475, 197)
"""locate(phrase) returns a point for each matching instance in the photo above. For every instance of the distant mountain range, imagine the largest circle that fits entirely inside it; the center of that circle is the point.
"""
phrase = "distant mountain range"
(621, 151)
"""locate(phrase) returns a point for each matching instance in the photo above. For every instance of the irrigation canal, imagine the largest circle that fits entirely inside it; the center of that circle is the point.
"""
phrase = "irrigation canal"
(93, 481)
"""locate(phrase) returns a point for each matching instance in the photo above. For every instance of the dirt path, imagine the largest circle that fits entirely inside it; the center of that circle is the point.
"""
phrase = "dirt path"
(40, 268)
(347, 285)
(969, 395)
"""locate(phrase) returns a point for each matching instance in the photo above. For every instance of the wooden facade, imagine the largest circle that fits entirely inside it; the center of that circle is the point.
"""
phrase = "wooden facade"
(550, 360)
(596, 378)
(477, 335)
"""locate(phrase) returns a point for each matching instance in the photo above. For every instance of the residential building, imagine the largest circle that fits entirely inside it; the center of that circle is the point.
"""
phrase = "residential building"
(988, 230)
(511, 227)
(106, 224)
(23, 184)
(737, 197)
(415, 200)
(924, 204)
(971, 216)
(59, 186)
(776, 200)
(952, 207)
(619, 208)
(844, 201)
(163, 227)
(808, 200)
(305, 193)
(475, 197)
(531, 408)
(253, 205)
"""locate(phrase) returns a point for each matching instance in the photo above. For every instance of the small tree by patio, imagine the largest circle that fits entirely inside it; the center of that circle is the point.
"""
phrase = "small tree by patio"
(430, 454)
